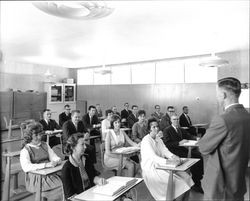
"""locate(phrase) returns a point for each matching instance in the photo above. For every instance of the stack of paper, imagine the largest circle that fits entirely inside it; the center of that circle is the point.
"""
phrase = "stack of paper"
(190, 143)
(127, 149)
(115, 185)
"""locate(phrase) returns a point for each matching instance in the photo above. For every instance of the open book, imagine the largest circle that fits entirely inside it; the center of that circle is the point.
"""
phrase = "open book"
(115, 185)
(127, 149)
(174, 163)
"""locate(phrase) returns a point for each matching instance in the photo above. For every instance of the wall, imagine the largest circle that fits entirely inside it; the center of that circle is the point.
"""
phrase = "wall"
(146, 96)
(24, 76)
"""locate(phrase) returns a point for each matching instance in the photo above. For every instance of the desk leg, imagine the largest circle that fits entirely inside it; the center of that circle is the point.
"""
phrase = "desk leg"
(39, 189)
(170, 187)
(6, 192)
(189, 152)
(119, 172)
(48, 139)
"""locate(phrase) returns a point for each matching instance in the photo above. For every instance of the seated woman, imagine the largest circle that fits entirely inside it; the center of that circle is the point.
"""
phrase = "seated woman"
(36, 155)
(153, 151)
(117, 138)
(139, 129)
(78, 173)
(106, 123)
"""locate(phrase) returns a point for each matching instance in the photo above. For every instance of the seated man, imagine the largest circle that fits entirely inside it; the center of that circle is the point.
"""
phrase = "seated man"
(114, 109)
(75, 125)
(157, 114)
(173, 136)
(99, 111)
(132, 118)
(185, 121)
(65, 116)
(49, 125)
(106, 123)
(165, 121)
(125, 112)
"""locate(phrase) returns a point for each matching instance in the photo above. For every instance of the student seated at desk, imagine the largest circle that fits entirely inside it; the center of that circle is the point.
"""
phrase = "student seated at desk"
(78, 173)
(36, 155)
(153, 151)
(106, 123)
(117, 138)
(139, 129)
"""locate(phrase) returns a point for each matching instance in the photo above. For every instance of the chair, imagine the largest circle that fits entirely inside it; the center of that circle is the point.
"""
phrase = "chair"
(102, 150)
(10, 126)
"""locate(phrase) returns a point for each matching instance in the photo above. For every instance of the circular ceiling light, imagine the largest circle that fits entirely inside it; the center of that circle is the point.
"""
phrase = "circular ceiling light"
(84, 10)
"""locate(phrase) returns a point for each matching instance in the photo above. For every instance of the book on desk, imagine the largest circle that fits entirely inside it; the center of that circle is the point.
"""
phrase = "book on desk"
(115, 185)
(184, 165)
(190, 143)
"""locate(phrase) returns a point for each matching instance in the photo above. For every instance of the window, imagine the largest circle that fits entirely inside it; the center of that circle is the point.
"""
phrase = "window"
(143, 73)
(169, 72)
(121, 75)
(85, 77)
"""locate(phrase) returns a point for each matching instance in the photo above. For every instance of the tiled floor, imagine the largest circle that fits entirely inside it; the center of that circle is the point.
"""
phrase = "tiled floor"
(143, 193)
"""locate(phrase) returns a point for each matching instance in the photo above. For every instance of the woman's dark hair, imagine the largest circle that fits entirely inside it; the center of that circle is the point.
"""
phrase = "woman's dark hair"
(72, 142)
(150, 121)
(32, 128)
(114, 118)
(140, 112)
(108, 112)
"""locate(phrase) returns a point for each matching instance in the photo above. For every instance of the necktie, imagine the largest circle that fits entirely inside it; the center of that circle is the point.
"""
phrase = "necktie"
(189, 121)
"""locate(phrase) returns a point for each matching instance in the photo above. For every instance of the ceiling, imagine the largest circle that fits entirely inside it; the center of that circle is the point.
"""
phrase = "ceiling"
(135, 31)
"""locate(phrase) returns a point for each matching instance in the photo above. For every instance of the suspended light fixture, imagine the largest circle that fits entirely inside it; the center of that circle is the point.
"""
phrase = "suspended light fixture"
(103, 70)
(81, 10)
(213, 61)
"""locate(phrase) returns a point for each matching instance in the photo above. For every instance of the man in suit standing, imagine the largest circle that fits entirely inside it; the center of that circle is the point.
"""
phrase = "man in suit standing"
(226, 143)
(125, 112)
(49, 125)
(185, 121)
(132, 118)
(173, 137)
(75, 125)
(65, 116)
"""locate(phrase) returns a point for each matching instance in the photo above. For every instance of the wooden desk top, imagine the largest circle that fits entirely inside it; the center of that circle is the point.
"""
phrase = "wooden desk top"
(126, 129)
(11, 154)
(183, 167)
(89, 195)
(47, 171)
(200, 125)
(190, 143)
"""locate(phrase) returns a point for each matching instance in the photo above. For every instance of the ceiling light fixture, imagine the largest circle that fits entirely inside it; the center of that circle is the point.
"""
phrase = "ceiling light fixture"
(103, 70)
(83, 10)
(213, 61)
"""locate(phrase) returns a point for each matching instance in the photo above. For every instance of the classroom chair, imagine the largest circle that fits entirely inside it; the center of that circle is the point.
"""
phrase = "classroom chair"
(10, 126)
(102, 150)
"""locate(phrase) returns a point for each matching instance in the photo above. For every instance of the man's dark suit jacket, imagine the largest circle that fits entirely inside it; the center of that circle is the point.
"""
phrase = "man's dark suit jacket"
(171, 139)
(63, 118)
(69, 129)
(131, 120)
(52, 125)
(184, 122)
(165, 122)
(125, 113)
(86, 121)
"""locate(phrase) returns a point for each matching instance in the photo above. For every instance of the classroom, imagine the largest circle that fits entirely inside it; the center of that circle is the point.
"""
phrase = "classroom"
(152, 96)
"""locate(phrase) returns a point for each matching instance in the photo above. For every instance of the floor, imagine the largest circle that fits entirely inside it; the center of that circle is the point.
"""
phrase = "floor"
(143, 193)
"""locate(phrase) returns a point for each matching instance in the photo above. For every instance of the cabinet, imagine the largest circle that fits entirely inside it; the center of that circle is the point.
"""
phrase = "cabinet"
(61, 93)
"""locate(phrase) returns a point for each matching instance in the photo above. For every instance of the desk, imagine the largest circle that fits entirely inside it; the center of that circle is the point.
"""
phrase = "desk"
(127, 154)
(190, 144)
(185, 166)
(55, 132)
(9, 156)
(89, 195)
(45, 172)
(197, 126)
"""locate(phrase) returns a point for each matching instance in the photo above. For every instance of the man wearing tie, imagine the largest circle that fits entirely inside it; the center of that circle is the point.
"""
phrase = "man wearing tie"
(185, 121)
(49, 125)
(173, 136)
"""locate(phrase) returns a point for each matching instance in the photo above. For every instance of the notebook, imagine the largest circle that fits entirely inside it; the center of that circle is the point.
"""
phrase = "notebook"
(115, 185)
(190, 143)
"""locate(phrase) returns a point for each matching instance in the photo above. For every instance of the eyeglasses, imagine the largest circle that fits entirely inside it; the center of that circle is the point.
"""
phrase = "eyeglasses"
(155, 126)
(171, 111)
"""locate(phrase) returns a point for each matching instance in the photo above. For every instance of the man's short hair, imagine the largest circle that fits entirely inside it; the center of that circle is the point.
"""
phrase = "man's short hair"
(66, 106)
(125, 104)
(157, 106)
(75, 111)
(46, 110)
(231, 85)
(184, 107)
(170, 107)
(134, 106)
(92, 106)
